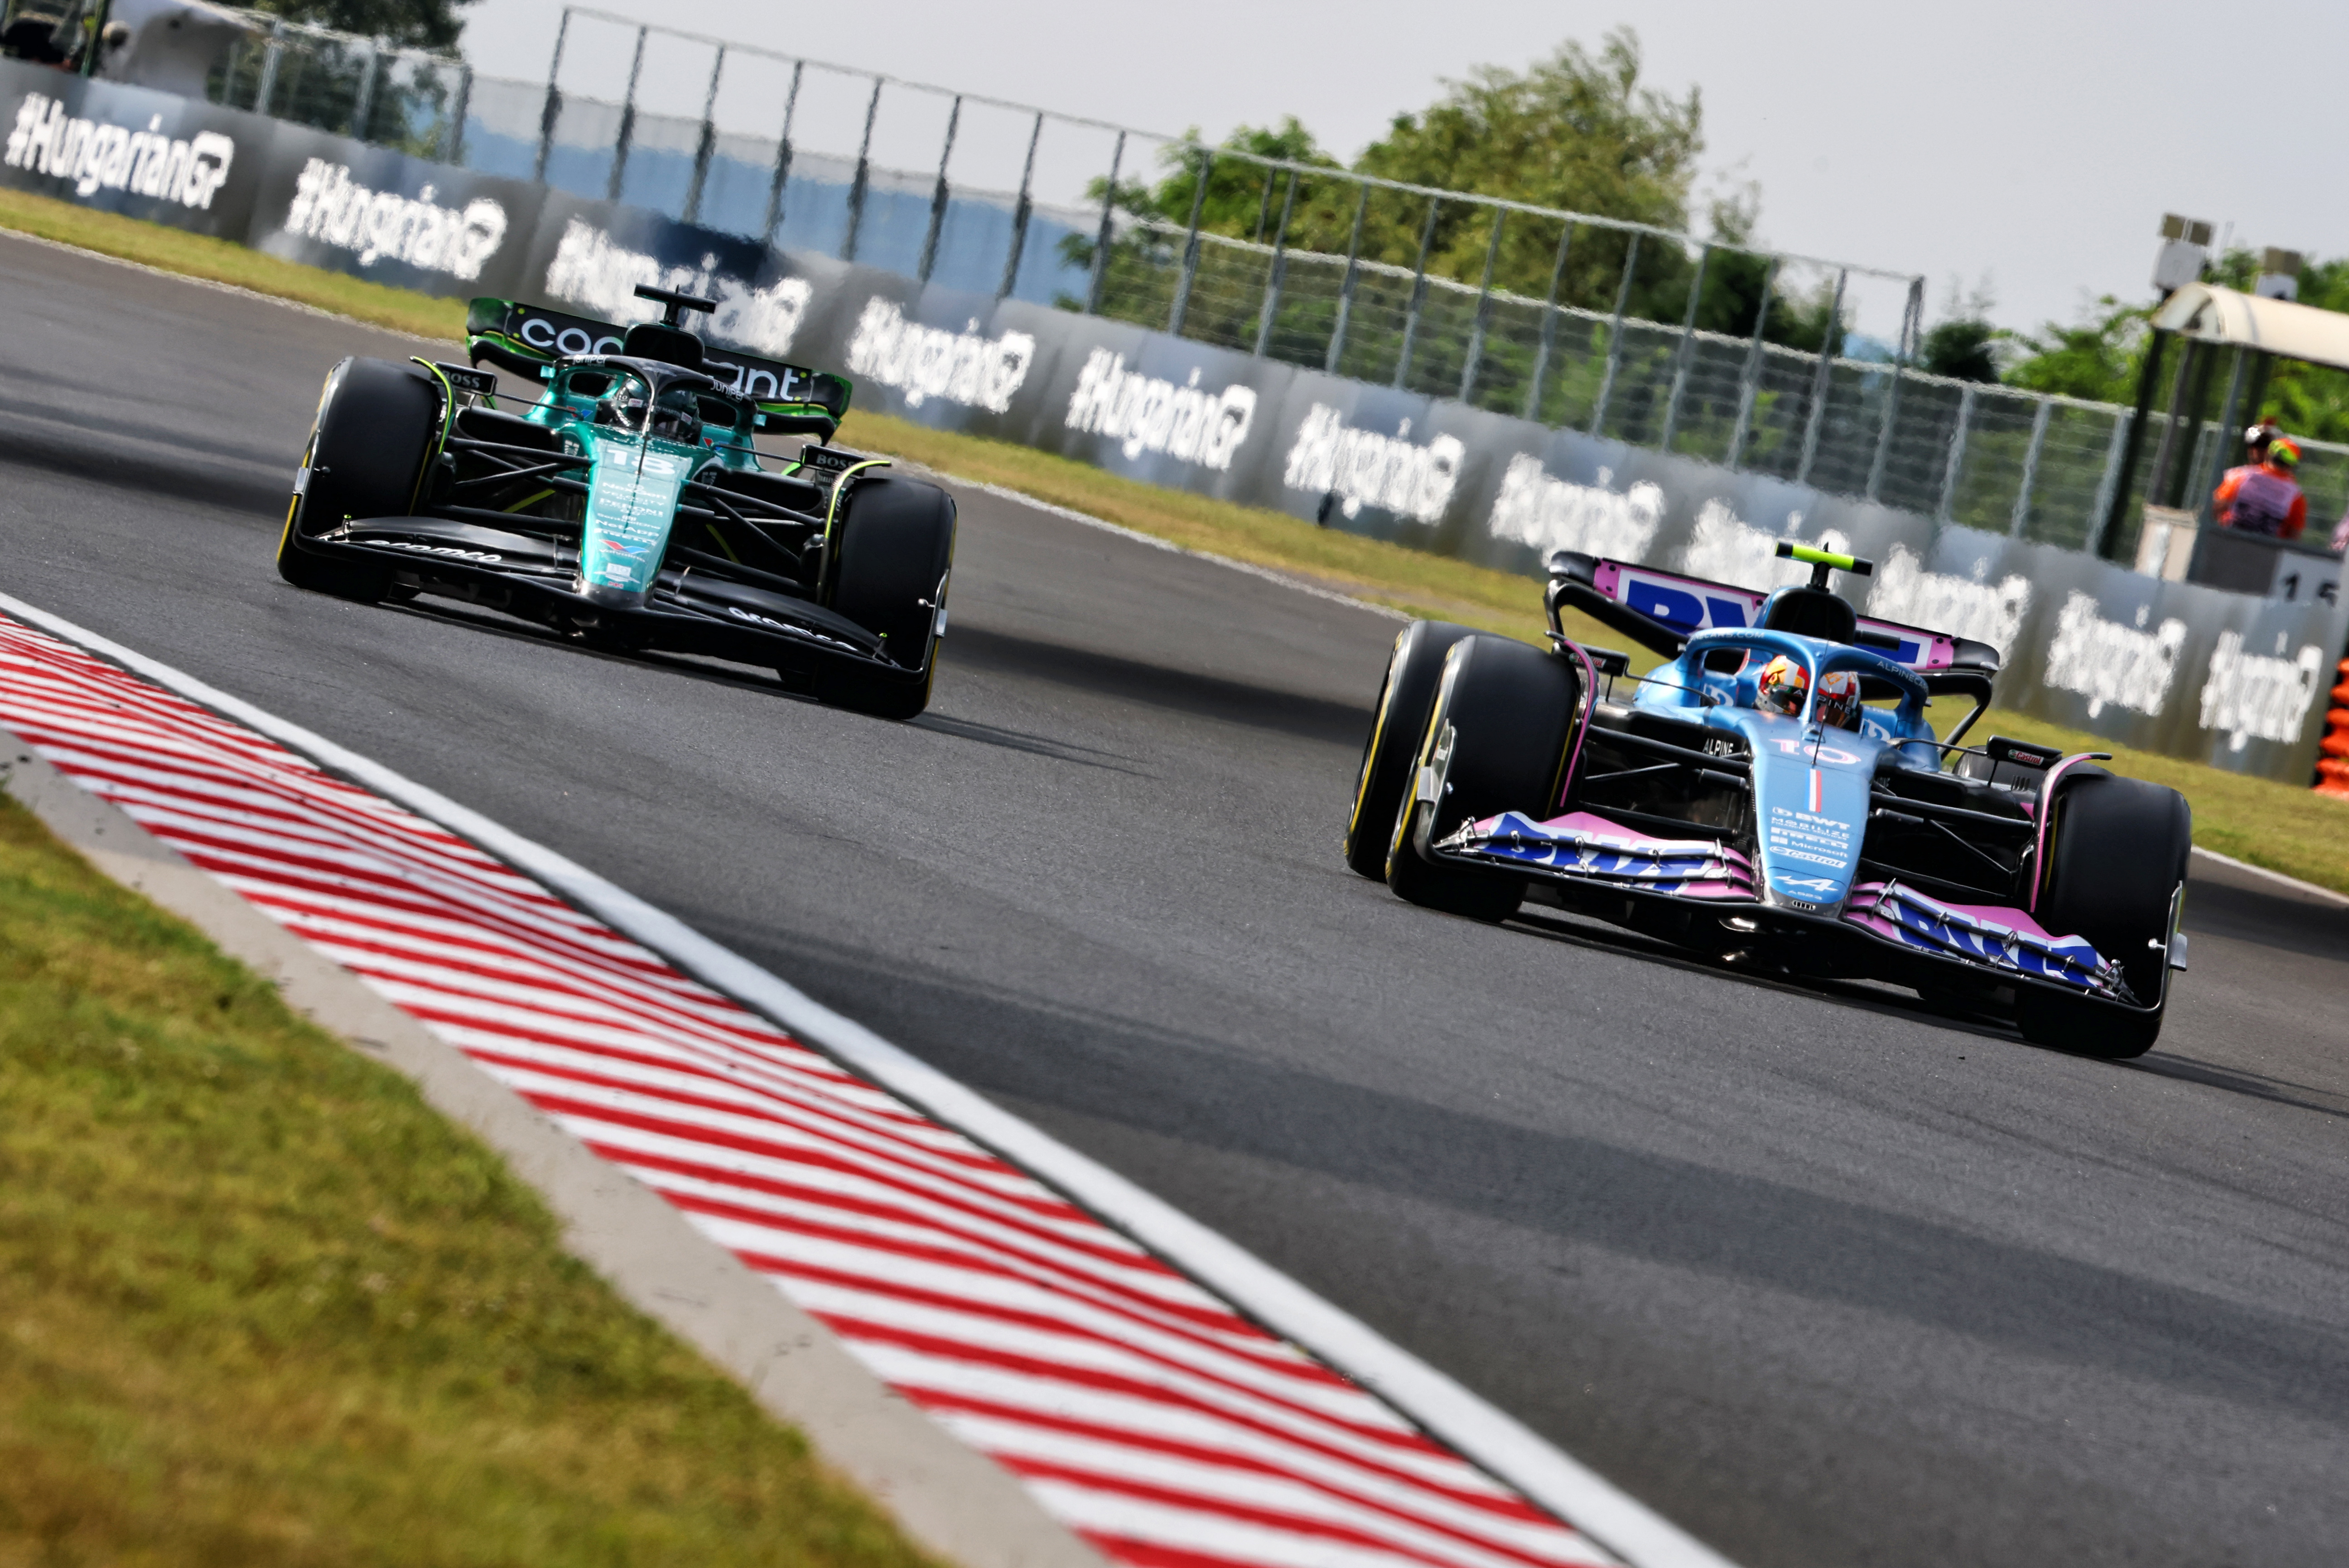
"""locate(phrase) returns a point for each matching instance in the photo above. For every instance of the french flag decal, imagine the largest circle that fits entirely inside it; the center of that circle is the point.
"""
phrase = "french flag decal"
(1815, 789)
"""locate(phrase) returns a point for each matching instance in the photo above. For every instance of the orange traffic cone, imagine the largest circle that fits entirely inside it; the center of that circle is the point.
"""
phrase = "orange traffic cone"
(2333, 767)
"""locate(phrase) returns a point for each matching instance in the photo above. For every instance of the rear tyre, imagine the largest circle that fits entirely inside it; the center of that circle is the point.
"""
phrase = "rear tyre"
(1397, 726)
(2116, 852)
(1497, 733)
(894, 548)
(377, 425)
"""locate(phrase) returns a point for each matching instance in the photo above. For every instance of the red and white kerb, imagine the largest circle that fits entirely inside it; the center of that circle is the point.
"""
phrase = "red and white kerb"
(1142, 1411)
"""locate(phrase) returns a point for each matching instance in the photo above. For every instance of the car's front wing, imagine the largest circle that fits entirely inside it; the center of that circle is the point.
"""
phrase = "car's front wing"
(686, 612)
(1588, 847)
(1586, 851)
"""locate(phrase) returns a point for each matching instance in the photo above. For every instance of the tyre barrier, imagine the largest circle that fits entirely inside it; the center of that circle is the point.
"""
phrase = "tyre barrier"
(2333, 760)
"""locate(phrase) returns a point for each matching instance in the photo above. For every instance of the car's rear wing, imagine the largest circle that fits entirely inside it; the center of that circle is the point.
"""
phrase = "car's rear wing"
(1662, 611)
(523, 338)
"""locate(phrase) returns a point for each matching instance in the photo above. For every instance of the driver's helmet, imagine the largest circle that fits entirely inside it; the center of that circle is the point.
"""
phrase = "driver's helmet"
(1838, 703)
(677, 415)
(1783, 685)
(625, 403)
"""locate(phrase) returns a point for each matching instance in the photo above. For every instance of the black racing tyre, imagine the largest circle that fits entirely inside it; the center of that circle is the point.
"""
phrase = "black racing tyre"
(1397, 726)
(2116, 852)
(379, 424)
(894, 549)
(1497, 730)
(894, 544)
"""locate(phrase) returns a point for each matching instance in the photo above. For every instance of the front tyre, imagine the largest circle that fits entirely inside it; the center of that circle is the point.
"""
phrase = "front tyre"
(379, 424)
(2117, 856)
(893, 552)
(1397, 726)
(1494, 741)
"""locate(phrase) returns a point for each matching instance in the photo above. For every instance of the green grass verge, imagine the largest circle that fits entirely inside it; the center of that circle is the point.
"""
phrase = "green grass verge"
(223, 261)
(2281, 827)
(259, 1304)
(1436, 587)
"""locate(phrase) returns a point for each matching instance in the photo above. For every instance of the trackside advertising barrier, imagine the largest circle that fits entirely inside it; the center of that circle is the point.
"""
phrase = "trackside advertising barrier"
(2180, 668)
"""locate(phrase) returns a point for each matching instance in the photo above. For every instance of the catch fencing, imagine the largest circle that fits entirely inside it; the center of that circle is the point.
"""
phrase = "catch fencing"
(984, 196)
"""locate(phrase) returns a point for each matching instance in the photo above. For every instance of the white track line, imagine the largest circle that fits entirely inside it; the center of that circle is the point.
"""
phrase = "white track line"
(1479, 1430)
(2307, 889)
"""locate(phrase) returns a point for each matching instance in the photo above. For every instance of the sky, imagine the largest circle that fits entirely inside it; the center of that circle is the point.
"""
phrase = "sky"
(2024, 151)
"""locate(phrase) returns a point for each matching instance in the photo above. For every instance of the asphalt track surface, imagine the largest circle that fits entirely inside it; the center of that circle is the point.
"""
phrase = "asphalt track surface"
(1825, 1279)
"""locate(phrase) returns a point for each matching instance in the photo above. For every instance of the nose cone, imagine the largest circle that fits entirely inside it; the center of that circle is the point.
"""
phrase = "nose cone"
(1810, 810)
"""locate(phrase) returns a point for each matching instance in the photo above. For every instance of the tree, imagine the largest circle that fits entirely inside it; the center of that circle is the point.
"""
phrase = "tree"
(2100, 355)
(1575, 130)
(1964, 350)
(411, 24)
(2097, 358)
(1963, 345)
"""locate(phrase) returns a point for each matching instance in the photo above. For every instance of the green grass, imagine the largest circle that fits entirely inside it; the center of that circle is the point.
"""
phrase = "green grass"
(1433, 586)
(223, 261)
(260, 1305)
(2282, 827)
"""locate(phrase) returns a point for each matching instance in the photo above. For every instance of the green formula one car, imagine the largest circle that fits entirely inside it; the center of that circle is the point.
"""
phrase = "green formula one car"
(628, 506)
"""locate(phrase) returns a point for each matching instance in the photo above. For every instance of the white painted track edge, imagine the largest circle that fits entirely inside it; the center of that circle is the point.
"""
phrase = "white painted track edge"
(2307, 889)
(1481, 1431)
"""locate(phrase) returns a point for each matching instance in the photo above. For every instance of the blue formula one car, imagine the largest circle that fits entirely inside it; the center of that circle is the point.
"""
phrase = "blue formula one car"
(628, 506)
(1776, 792)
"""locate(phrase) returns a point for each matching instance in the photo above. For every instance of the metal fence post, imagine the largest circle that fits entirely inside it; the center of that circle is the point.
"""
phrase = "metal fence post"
(1020, 212)
(452, 139)
(2109, 485)
(1824, 382)
(863, 174)
(2158, 482)
(1912, 320)
(707, 148)
(1483, 304)
(551, 112)
(1346, 287)
(272, 51)
(1549, 323)
(1956, 451)
(1615, 336)
(1882, 460)
(1418, 292)
(627, 119)
(1101, 245)
(1280, 269)
(1264, 206)
(2031, 467)
(1190, 249)
(364, 104)
(2228, 412)
(784, 155)
(939, 195)
(1749, 382)
(1684, 349)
